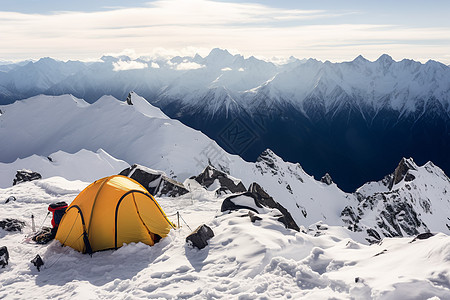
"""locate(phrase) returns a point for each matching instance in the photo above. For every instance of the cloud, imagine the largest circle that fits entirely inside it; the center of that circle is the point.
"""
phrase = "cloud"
(188, 66)
(154, 65)
(186, 27)
(128, 65)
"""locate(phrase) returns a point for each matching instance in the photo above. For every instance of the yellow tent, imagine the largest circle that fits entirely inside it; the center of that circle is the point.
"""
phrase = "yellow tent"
(109, 212)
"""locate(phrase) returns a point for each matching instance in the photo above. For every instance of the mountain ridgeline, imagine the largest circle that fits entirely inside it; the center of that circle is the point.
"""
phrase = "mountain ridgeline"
(354, 120)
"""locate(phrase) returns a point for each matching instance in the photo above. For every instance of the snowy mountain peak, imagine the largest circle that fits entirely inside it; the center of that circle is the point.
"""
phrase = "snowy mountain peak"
(218, 53)
(402, 171)
(45, 60)
(269, 158)
(144, 107)
(360, 59)
(385, 59)
(219, 58)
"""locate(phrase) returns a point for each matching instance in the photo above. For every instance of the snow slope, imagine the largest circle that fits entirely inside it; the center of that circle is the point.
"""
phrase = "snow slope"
(84, 165)
(244, 260)
(138, 133)
(141, 133)
(412, 199)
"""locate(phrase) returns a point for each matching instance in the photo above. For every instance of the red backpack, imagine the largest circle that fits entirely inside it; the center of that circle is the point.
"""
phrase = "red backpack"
(58, 209)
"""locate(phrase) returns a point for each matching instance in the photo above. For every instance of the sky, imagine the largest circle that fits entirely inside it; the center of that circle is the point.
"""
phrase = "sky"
(322, 29)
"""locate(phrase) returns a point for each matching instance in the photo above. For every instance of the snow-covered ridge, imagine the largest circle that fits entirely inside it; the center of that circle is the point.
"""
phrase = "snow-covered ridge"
(411, 200)
(230, 81)
(139, 133)
(83, 165)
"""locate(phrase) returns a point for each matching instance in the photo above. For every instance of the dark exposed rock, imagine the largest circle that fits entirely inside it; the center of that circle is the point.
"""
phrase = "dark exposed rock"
(37, 262)
(256, 198)
(253, 217)
(351, 218)
(200, 236)
(155, 182)
(227, 185)
(241, 201)
(374, 236)
(267, 157)
(402, 169)
(409, 177)
(10, 199)
(26, 175)
(4, 256)
(266, 162)
(129, 99)
(12, 224)
(266, 200)
(326, 179)
(423, 236)
(400, 217)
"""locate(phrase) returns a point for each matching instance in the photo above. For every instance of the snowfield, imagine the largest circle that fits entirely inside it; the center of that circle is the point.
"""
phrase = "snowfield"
(244, 260)
(329, 258)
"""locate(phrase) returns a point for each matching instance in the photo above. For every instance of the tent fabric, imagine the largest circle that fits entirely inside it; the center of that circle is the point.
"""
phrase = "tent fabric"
(110, 212)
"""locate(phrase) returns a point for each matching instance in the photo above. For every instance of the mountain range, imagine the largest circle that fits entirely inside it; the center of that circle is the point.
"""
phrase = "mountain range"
(354, 120)
(66, 136)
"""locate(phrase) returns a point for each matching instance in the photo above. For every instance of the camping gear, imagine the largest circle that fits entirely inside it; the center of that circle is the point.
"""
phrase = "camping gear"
(45, 235)
(58, 209)
(38, 262)
(110, 212)
(4, 256)
(33, 225)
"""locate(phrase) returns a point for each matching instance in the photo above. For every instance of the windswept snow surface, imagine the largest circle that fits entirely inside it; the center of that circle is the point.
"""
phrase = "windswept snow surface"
(142, 134)
(138, 133)
(84, 165)
(244, 260)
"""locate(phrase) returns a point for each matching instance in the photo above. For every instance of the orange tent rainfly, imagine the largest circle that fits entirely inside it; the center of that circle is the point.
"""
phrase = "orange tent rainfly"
(110, 212)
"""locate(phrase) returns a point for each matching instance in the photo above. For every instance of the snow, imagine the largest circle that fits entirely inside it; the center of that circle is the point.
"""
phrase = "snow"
(138, 133)
(82, 165)
(244, 260)
(375, 85)
(114, 135)
(427, 194)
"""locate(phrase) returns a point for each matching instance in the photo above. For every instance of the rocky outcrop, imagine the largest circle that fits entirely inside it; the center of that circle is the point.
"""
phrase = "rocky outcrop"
(156, 182)
(225, 183)
(399, 205)
(9, 224)
(326, 179)
(241, 201)
(401, 172)
(200, 236)
(255, 199)
(4, 256)
(129, 99)
(26, 175)
(266, 200)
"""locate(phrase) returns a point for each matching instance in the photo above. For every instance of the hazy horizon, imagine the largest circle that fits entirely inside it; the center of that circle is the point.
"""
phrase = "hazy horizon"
(324, 30)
